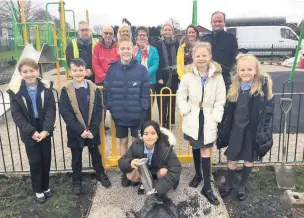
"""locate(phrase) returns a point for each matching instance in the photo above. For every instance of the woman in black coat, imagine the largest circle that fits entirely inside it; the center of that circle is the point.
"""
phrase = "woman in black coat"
(156, 145)
(166, 74)
(246, 127)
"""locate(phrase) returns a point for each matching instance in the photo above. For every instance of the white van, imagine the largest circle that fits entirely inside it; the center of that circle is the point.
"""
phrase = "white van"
(265, 40)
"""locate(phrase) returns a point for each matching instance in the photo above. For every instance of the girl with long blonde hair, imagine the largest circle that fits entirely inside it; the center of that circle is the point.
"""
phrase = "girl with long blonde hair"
(246, 127)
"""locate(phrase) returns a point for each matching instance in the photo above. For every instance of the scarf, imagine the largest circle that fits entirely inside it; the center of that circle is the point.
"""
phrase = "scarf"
(171, 69)
(144, 54)
(84, 41)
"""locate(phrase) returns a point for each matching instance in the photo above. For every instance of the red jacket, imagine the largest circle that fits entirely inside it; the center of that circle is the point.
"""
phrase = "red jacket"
(102, 57)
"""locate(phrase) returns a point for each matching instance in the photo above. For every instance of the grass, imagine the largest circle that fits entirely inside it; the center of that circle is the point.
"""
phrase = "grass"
(17, 198)
(7, 55)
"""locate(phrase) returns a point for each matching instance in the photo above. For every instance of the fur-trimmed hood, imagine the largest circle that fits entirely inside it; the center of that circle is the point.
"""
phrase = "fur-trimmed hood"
(171, 137)
(214, 69)
(15, 87)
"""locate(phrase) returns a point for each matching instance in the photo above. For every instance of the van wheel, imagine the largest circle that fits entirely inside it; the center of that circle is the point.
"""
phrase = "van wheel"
(243, 51)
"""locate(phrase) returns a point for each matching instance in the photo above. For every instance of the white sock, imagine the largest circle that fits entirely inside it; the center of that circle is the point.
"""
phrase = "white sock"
(47, 190)
(39, 195)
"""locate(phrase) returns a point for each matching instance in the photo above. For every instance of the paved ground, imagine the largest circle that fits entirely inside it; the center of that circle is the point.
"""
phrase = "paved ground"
(119, 202)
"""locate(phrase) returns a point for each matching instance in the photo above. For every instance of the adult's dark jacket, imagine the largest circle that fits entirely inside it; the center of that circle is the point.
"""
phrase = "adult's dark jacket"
(71, 114)
(85, 53)
(163, 157)
(23, 113)
(261, 115)
(163, 73)
(224, 51)
(127, 91)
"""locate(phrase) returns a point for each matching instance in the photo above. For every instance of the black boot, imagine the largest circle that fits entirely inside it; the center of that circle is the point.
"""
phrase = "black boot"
(104, 180)
(241, 195)
(228, 186)
(124, 181)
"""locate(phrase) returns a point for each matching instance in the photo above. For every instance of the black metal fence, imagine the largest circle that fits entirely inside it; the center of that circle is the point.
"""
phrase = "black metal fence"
(13, 156)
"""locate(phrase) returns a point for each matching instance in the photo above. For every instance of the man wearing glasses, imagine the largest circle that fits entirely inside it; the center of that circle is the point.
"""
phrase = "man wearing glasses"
(105, 53)
(83, 48)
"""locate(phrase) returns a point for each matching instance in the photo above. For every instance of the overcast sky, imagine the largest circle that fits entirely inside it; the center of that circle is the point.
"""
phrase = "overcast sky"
(154, 12)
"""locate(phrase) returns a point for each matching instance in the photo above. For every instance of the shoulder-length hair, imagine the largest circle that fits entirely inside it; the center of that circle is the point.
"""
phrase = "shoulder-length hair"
(258, 81)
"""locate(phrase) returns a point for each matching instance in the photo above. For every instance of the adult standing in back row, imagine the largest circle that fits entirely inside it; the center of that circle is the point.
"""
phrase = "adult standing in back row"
(82, 47)
(148, 56)
(224, 45)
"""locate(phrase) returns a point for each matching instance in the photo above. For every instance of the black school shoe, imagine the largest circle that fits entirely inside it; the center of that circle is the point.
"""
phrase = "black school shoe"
(48, 194)
(241, 195)
(104, 180)
(210, 196)
(124, 181)
(195, 181)
(225, 190)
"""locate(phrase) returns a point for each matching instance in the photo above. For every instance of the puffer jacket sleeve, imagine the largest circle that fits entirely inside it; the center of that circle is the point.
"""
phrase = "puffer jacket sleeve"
(145, 90)
(220, 100)
(174, 168)
(182, 95)
(155, 60)
(180, 62)
(107, 89)
(124, 162)
(99, 71)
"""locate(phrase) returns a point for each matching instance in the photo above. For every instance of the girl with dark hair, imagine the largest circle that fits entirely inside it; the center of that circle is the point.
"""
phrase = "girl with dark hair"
(156, 145)
(184, 53)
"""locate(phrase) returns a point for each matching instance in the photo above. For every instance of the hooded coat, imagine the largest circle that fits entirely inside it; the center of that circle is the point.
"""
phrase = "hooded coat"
(190, 95)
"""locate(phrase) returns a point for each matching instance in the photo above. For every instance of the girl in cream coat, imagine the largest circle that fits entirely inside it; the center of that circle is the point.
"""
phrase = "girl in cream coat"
(201, 98)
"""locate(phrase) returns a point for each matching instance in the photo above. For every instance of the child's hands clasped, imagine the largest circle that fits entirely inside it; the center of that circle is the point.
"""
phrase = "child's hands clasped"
(40, 136)
(87, 134)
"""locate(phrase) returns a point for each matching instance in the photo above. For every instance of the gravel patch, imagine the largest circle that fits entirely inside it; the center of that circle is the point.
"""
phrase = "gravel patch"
(120, 202)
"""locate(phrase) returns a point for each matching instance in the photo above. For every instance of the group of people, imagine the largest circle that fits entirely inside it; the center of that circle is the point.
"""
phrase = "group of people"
(218, 108)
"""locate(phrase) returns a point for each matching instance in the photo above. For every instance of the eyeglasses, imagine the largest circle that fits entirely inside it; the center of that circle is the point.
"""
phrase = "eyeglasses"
(108, 33)
(142, 35)
(84, 30)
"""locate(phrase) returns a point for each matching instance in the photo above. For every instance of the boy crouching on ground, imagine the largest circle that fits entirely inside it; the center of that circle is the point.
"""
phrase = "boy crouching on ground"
(81, 108)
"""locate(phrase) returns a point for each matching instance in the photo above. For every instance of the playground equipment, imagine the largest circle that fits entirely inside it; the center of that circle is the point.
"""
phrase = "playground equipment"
(44, 35)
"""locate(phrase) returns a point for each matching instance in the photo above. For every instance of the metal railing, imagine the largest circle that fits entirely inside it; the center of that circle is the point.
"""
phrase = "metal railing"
(13, 156)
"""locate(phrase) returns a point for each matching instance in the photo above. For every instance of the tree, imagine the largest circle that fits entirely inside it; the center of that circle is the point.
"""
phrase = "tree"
(175, 23)
(97, 29)
(32, 12)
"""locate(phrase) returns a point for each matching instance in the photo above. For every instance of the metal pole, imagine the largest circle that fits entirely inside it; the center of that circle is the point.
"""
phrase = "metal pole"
(194, 13)
(25, 39)
(297, 53)
(73, 22)
(87, 17)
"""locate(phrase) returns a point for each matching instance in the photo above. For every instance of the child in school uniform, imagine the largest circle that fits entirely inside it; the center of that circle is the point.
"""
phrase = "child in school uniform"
(81, 109)
(246, 127)
(156, 145)
(33, 110)
(201, 97)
